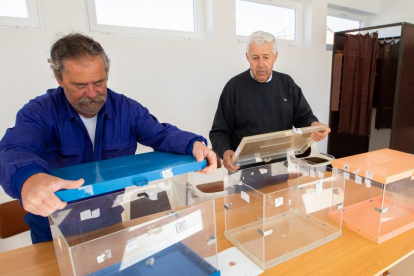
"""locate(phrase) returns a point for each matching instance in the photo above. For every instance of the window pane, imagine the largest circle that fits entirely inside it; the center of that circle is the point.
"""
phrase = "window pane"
(336, 24)
(250, 17)
(13, 8)
(177, 15)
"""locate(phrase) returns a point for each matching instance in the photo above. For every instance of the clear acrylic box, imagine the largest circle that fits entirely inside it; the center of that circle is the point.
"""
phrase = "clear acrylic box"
(379, 193)
(277, 210)
(144, 230)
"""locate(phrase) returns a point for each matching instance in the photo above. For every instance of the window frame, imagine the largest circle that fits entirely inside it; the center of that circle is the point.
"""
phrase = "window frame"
(344, 15)
(297, 6)
(198, 34)
(33, 20)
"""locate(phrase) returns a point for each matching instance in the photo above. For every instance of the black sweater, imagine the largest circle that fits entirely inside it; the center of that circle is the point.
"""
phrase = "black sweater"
(247, 107)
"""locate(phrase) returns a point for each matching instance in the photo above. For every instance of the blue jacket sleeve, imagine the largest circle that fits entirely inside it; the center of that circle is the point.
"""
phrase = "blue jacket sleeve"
(161, 136)
(22, 148)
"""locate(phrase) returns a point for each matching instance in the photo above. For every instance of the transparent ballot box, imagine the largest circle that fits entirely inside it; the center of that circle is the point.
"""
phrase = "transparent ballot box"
(131, 217)
(379, 193)
(279, 209)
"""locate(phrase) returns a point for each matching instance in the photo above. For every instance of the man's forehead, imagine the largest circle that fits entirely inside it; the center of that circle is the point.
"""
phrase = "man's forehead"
(265, 48)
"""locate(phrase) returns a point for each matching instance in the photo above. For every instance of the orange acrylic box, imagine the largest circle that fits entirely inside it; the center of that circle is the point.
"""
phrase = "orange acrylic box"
(379, 193)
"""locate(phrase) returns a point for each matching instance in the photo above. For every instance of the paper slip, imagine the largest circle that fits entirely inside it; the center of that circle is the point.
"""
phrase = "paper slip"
(232, 262)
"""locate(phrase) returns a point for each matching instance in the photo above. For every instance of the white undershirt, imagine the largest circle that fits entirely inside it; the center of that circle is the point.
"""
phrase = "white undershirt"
(269, 79)
(90, 124)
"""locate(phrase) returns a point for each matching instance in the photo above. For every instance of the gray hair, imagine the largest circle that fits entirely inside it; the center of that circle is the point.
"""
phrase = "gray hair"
(74, 46)
(259, 38)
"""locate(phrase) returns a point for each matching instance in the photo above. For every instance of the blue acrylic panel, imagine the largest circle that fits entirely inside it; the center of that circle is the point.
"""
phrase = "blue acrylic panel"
(176, 260)
(116, 174)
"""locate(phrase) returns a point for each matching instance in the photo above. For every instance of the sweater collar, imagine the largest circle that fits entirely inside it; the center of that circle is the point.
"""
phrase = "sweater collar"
(269, 79)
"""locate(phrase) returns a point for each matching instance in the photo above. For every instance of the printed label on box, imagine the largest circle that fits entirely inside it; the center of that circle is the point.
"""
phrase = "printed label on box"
(88, 214)
(369, 175)
(279, 201)
(346, 175)
(346, 168)
(358, 179)
(181, 226)
(167, 173)
(319, 187)
(106, 255)
(356, 171)
(321, 175)
(367, 183)
(297, 130)
(131, 245)
(312, 173)
(245, 196)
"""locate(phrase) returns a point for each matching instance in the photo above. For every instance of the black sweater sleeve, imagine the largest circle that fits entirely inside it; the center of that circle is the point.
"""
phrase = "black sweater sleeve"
(223, 123)
(303, 115)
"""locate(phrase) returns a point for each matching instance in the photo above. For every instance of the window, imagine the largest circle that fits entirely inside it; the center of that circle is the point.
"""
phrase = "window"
(341, 21)
(167, 18)
(280, 18)
(19, 13)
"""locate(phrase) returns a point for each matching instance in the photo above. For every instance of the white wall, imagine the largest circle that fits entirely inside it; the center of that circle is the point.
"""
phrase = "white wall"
(179, 81)
(393, 11)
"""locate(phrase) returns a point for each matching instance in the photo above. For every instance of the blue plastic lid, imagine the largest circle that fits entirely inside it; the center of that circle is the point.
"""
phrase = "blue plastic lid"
(115, 174)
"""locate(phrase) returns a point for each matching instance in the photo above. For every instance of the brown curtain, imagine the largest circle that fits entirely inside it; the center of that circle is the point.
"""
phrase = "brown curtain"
(360, 57)
(387, 65)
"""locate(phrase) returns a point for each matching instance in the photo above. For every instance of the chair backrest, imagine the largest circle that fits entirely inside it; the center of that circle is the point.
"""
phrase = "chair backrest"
(11, 219)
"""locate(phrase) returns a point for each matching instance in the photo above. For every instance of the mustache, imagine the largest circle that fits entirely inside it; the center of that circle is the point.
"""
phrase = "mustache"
(86, 100)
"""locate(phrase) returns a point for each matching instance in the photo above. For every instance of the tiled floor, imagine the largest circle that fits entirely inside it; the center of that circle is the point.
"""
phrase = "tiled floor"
(404, 268)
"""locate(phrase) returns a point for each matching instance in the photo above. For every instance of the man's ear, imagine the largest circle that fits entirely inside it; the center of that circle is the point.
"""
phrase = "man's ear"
(277, 53)
(247, 57)
(58, 79)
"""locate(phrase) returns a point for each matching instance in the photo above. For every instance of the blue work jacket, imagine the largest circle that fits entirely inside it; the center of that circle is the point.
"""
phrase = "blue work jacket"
(49, 134)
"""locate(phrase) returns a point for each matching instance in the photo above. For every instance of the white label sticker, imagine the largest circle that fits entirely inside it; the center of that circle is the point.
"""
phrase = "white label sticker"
(106, 255)
(167, 173)
(319, 187)
(262, 171)
(279, 201)
(321, 175)
(312, 173)
(88, 214)
(346, 168)
(358, 179)
(258, 159)
(181, 226)
(245, 196)
(367, 183)
(356, 171)
(131, 245)
(290, 202)
(297, 130)
(152, 196)
(346, 175)
(369, 175)
(88, 189)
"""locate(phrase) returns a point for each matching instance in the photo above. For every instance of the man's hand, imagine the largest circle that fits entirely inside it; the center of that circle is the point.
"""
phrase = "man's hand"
(38, 193)
(319, 136)
(227, 156)
(201, 152)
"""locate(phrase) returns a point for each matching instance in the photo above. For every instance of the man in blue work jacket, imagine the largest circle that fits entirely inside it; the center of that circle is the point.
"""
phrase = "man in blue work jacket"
(80, 121)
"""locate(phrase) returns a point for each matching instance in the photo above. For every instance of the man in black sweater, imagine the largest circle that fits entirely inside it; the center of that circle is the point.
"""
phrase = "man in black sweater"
(259, 101)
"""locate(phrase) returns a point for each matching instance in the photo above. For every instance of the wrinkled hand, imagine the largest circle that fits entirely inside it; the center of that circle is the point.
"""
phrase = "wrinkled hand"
(318, 135)
(227, 156)
(201, 152)
(38, 193)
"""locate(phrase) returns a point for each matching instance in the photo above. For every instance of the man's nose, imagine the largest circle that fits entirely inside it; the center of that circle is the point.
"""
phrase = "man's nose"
(90, 91)
(261, 62)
